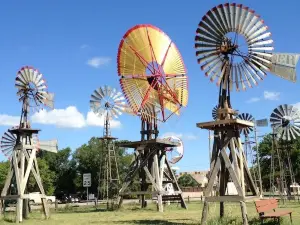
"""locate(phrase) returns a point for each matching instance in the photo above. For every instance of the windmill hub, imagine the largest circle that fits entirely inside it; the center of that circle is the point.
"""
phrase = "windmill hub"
(287, 121)
(107, 105)
(227, 47)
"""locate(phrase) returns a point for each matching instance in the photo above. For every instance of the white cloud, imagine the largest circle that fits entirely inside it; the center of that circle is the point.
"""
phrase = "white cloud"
(297, 105)
(6, 120)
(98, 61)
(270, 95)
(69, 117)
(93, 120)
(188, 136)
(255, 99)
(84, 46)
(64, 118)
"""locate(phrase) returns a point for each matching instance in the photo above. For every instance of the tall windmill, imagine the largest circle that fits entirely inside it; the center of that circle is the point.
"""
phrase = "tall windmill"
(21, 143)
(234, 48)
(154, 82)
(285, 122)
(108, 103)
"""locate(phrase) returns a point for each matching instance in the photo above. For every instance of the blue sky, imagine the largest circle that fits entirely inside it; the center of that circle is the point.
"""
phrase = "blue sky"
(60, 37)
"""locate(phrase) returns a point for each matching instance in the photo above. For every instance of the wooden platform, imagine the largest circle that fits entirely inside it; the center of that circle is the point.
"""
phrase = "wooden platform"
(217, 124)
(24, 130)
(158, 142)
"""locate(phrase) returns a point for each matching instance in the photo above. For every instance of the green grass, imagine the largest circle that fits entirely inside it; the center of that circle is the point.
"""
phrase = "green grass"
(132, 214)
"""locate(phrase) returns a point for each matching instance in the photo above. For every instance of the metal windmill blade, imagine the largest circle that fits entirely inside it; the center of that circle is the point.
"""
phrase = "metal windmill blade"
(152, 73)
(214, 112)
(221, 54)
(174, 154)
(285, 120)
(8, 142)
(247, 117)
(106, 101)
(32, 89)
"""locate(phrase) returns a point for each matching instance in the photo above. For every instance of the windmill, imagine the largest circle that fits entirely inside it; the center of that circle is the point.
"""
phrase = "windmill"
(255, 162)
(246, 131)
(20, 144)
(154, 82)
(285, 122)
(234, 48)
(108, 103)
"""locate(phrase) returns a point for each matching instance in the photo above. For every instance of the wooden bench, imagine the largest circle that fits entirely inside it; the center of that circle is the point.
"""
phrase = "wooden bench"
(264, 207)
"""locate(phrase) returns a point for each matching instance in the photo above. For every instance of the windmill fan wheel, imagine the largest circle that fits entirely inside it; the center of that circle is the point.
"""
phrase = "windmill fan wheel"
(248, 117)
(233, 41)
(214, 112)
(32, 88)
(107, 101)
(285, 120)
(152, 73)
(9, 141)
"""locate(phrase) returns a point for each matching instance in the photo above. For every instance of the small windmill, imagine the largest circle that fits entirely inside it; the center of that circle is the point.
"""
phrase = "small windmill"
(108, 103)
(21, 143)
(285, 122)
(234, 48)
(255, 161)
(154, 82)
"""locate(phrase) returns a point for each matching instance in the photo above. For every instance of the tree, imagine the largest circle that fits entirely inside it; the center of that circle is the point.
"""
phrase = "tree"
(88, 160)
(64, 169)
(186, 180)
(265, 150)
(47, 177)
(4, 167)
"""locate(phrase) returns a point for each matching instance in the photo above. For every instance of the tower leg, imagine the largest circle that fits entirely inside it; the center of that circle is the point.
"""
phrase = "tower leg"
(45, 208)
(160, 207)
(204, 213)
(244, 213)
(25, 208)
(19, 209)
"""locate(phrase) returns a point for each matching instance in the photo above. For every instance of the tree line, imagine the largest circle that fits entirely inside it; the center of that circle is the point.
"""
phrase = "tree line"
(62, 172)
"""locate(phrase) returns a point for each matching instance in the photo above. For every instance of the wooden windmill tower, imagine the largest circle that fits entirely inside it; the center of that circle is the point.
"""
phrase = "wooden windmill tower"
(21, 144)
(108, 103)
(234, 48)
(152, 77)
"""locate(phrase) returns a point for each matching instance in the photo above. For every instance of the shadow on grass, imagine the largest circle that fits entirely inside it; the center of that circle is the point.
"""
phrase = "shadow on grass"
(162, 222)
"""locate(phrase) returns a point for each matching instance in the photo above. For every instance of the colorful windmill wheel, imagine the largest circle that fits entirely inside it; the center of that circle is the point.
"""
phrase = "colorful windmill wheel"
(32, 88)
(153, 75)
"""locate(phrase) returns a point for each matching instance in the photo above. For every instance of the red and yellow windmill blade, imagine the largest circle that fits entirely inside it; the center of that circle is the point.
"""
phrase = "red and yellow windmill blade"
(153, 74)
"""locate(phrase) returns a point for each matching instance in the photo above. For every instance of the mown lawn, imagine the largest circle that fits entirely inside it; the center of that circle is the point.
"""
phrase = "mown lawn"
(132, 214)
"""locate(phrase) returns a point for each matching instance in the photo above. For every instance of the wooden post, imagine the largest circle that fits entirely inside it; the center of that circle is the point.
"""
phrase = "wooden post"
(244, 213)
(25, 208)
(159, 203)
(204, 213)
(56, 204)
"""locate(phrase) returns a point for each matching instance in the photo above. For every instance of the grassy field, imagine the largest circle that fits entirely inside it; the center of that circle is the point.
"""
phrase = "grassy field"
(132, 214)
